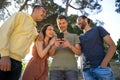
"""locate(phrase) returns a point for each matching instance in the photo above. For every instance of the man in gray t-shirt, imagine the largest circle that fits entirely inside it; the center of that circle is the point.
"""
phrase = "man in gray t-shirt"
(64, 64)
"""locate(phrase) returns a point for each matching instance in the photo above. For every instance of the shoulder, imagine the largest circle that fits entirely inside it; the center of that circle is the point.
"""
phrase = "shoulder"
(100, 28)
(72, 34)
(103, 32)
(21, 14)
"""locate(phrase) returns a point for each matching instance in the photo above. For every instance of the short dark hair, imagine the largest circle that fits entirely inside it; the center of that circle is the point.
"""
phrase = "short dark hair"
(62, 17)
(37, 6)
(85, 17)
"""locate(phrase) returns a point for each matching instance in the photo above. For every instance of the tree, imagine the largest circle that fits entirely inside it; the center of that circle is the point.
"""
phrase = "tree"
(84, 6)
(117, 53)
(52, 10)
(117, 5)
(118, 46)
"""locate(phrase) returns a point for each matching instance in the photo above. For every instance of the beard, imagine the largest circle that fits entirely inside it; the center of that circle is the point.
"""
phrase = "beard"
(83, 25)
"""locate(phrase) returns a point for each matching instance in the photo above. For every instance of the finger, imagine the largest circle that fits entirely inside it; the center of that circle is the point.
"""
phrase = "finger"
(0, 64)
(2, 67)
(8, 66)
(58, 39)
(61, 41)
(5, 67)
(64, 39)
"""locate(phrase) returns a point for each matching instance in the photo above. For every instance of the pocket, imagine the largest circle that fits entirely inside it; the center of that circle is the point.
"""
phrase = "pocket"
(102, 70)
(103, 73)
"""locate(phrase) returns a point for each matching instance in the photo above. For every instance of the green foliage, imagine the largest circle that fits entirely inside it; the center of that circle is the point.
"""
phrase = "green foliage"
(88, 7)
(117, 53)
(49, 19)
(52, 11)
(117, 5)
(4, 3)
(52, 8)
(72, 27)
(24, 63)
(118, 46)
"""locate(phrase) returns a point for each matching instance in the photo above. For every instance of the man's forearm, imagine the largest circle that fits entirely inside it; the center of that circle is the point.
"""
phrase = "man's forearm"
(108, 56)
(76, 50)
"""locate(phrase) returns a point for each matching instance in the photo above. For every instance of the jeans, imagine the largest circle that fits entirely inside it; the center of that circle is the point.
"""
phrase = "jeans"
(98, 73)
(63, 75)
(14, 74)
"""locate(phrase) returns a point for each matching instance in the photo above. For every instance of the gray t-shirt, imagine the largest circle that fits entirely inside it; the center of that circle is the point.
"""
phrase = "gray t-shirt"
(64, 58)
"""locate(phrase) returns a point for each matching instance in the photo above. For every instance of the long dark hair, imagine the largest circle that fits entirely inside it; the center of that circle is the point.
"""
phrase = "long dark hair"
(43, 31)
(44, 28)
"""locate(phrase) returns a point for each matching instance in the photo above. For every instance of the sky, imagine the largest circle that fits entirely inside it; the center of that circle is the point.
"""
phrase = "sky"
(108, 16)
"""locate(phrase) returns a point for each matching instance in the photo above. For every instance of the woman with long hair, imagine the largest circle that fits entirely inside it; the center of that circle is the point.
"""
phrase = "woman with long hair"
(37, 67)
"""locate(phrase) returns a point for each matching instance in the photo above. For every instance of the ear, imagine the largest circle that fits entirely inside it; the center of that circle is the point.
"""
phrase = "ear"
(86, 20)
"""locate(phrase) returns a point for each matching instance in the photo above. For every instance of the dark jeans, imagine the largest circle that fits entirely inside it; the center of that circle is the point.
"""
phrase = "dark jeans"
(14, 74)
(63, 75)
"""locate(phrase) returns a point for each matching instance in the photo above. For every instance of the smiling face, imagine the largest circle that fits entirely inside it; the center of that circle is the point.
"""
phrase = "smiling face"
(50, 32)
(62, 25)
(41, 13)
(81, 22)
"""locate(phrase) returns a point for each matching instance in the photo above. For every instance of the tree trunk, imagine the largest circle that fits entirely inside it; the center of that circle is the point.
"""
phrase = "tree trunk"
(67, 5)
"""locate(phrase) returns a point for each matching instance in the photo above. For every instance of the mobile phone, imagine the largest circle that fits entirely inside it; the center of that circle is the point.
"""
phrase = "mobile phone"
(60, 35)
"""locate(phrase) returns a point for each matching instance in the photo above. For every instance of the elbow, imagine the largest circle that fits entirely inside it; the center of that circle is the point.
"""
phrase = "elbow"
(41, 56)
(114, 47)
(79, 53)
(51, 55)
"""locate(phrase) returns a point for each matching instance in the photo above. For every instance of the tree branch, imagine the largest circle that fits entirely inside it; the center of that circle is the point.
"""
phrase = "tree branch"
(75, 8)
(7, 11)
(22, 7)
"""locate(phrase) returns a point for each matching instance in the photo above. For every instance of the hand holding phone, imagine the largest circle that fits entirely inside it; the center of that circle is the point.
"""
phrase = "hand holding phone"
(60, 36)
